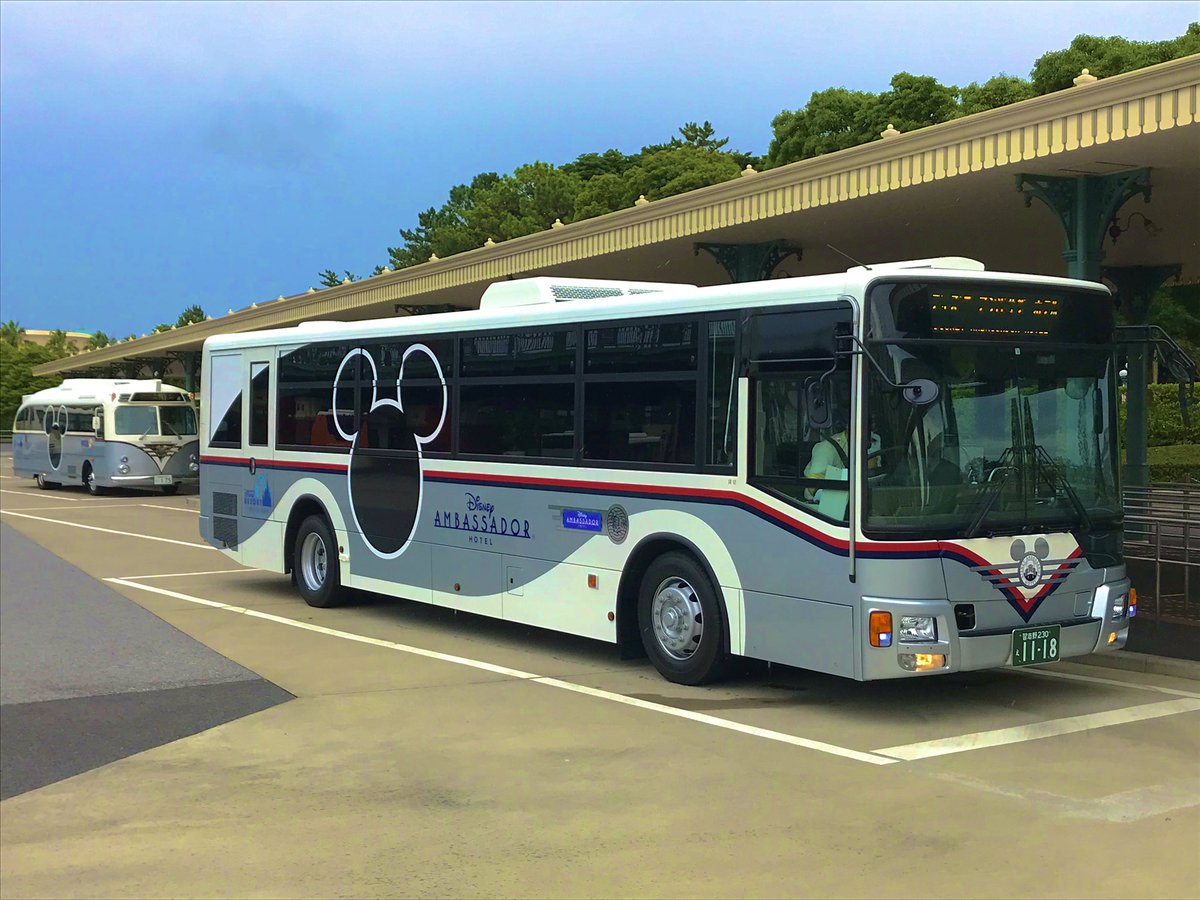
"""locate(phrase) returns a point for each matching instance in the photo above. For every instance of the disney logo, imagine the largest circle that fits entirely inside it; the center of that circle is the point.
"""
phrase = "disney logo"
(475, 504)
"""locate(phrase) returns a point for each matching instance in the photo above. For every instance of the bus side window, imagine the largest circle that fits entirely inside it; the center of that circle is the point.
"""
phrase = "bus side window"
(721, 394)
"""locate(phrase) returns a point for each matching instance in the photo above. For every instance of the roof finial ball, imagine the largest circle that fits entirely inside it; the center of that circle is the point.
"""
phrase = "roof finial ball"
(890, 132)
(1084, 77)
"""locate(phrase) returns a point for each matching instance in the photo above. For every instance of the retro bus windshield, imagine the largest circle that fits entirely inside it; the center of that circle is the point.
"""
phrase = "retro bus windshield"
(168, 421)
(1022, 435)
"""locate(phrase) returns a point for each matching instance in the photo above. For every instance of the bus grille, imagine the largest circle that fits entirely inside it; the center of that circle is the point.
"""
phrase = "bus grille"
(224, 504)
(225, 530)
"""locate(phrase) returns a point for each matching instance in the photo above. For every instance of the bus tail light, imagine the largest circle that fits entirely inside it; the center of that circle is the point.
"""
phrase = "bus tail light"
(881, 629)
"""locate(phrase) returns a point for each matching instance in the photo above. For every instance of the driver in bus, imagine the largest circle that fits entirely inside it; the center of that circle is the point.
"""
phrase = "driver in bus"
(830, 456)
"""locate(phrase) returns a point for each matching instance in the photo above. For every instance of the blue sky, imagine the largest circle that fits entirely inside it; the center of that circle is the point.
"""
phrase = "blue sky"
(159, 155)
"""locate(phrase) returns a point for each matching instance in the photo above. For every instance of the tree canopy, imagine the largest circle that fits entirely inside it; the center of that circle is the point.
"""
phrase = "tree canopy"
(500, 207)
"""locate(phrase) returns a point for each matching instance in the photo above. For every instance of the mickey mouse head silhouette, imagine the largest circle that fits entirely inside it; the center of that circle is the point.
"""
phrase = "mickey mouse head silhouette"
(55, 424)
(384, 475)
(1029, 565)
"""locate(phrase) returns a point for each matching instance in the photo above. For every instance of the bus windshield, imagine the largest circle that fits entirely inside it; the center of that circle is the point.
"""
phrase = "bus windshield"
(1020, 439)
(143, 421)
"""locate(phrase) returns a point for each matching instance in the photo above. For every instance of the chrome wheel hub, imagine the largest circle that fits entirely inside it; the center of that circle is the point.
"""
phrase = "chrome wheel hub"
(677, 618)
(314, 562)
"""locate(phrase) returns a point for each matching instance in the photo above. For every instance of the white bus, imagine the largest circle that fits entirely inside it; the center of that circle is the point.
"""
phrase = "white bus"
(904, 469)
(103, 433)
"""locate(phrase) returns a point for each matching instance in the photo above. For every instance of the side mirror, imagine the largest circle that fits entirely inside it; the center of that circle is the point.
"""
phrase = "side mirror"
(920, 391)
(818, 411)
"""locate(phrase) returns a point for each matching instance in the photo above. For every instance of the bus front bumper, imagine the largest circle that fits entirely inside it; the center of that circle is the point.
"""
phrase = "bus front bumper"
(150, 481)
(1105, 629)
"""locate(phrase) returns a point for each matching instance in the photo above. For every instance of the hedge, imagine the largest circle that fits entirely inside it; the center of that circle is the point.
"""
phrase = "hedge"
(1164, 424)
(1175, 464)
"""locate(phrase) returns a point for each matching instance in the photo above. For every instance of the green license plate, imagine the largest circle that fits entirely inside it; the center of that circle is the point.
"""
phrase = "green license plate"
(1035, 645)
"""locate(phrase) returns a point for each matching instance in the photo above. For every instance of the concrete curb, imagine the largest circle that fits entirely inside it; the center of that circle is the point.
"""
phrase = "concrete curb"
(1143, 662)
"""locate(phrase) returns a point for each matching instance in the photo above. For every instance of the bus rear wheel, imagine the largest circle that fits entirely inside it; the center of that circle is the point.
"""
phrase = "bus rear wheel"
(43, 484)
(679, 616)
(89, 480)
(315, 566)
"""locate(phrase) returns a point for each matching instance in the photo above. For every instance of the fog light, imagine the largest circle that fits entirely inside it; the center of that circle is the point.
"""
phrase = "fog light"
(921, 662)
(124, 459)
(917, 629)
(881, 629)
(193, 467)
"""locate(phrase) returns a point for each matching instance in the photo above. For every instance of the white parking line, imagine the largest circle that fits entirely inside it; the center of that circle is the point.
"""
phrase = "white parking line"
(145, 537)
(33, 509)
(171, 508)
(531, 677)
(1092, 679)
(189, 574)
(38, 494)
(1038, 730)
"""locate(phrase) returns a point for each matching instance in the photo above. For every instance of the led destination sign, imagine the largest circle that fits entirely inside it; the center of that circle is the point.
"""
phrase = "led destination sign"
(989, 311)
(993, 314)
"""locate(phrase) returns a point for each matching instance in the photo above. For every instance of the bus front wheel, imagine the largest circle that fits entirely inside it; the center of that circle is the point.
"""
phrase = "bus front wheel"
(679, 616)
(315, 565)
(43, 484)
(89, 479)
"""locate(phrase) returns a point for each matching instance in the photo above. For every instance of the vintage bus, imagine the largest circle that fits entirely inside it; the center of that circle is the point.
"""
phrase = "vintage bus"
(103, 433)
(904, 469)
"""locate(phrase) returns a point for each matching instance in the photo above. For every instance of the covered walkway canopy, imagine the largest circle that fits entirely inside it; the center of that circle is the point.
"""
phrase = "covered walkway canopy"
(1039, 186)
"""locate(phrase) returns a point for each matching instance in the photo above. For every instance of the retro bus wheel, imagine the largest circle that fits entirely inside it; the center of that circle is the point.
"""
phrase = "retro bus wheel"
(680, 619)
(89, 480)
(315, 564)
(43, 484)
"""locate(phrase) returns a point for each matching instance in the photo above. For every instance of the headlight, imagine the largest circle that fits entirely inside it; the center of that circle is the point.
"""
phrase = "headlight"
(1118, 607)
(194, 460)
(917, 629)
(123, 469)
(193, 467)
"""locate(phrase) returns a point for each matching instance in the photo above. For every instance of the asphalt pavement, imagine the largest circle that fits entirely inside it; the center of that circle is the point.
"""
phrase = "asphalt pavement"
(88, 677)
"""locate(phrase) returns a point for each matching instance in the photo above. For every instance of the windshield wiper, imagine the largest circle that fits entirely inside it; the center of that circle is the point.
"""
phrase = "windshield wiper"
(1045, 462)
(167, 425)
(991, 492)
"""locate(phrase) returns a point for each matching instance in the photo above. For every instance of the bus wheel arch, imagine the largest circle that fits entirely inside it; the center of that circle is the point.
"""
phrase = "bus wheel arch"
(305, 506)
(645, 555)
(89, 480)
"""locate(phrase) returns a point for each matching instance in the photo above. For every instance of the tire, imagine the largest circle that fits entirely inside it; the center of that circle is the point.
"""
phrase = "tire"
(315, 567)
(682, 622)
(89, 481)
(170, 490)
(43, 484)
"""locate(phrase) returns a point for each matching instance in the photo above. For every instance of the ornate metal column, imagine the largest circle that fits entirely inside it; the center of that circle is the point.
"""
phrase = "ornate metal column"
(1136, 286)
(1085, 205)
(750, 262)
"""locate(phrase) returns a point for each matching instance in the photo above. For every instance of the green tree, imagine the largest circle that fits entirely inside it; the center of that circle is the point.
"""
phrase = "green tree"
(58, 344)
(914, 101)
(329, 278)
(1000, 90)
(190, 316)
(1108, 56)
(99, 340)
(16, 373)
(10, 333)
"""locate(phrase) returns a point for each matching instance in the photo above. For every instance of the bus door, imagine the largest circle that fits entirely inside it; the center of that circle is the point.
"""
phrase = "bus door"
(223, 467)
(258, 501)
